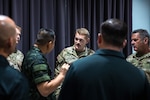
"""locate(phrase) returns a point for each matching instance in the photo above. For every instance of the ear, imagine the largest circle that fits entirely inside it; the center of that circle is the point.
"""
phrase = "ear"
(9, 42)
(10, 45)
(49, 44)
(99, 39)
(88, 40)
(124, 43)
(146, 40)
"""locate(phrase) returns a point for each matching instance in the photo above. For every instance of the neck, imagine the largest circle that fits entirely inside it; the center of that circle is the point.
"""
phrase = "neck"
(40, 47)
(4, 53)
(139, 54)
(110, 47)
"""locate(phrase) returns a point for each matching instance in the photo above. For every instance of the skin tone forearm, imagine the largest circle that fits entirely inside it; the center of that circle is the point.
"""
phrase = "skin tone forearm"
(48, 87)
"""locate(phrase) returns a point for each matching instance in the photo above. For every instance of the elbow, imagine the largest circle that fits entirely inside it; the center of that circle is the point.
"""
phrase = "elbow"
(44, 94)
(43, 89)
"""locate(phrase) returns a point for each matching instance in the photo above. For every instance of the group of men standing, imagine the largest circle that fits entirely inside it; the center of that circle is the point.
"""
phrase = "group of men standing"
(80, 73)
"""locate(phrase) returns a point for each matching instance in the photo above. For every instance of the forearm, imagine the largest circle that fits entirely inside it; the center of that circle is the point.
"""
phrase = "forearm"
(47, 88)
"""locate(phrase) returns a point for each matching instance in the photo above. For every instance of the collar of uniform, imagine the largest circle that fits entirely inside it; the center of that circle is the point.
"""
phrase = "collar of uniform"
(36, 48)
(85, 51)
(141, 57)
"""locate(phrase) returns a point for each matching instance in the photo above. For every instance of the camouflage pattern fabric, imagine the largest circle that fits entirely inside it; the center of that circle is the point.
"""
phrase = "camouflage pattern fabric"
(36, 69)
(15, 59)
(142, 62)
(69, 55)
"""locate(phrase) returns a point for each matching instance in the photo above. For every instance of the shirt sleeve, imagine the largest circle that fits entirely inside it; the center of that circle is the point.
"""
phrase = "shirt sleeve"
(40, 73)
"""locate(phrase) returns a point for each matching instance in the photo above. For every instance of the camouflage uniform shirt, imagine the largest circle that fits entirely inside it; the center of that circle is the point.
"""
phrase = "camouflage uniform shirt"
(15, 59)
(36, 69)
(142, 62)
(69, 55)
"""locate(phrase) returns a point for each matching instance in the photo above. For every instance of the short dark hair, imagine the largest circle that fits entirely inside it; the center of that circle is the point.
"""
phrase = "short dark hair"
(44, 36)
(114, 31)
(142, 32)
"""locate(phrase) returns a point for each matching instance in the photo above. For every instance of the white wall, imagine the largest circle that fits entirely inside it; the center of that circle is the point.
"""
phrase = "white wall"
(141, 14)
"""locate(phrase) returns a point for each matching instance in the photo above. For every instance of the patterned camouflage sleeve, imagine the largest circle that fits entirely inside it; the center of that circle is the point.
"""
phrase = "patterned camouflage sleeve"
(91, 52)
(20, 59)
(15, 59)
(59, 62)
(129, 58)
(40, 73)
(141, 62)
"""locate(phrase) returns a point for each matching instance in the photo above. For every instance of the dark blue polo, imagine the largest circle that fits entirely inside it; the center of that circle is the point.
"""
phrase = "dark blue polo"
(105, 75)
(13, 85)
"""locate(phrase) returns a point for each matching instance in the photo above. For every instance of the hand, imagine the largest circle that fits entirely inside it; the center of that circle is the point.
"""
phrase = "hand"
(64, 68)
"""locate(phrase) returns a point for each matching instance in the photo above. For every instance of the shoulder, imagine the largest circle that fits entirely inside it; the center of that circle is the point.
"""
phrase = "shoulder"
(90, 51)
(131, 56)
(34, 57)
(34, 53)
(17, 80)
(19, 52)
(147, 55)
(19, 55)
(14, 74)
(67, 50)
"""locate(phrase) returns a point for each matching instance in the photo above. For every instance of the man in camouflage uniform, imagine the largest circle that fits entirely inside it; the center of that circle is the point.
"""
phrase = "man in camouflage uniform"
(36, 68)
(16, 58)
(73, 53)
(141, 58)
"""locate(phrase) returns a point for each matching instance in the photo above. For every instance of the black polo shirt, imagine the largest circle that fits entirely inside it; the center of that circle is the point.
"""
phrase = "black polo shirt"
(13, 85)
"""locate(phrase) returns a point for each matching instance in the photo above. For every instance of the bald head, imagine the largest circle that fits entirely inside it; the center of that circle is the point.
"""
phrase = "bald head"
(7, 35)
(7, 29)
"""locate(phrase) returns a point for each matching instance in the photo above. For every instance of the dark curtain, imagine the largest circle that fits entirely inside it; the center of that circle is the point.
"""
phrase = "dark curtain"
(64, 16)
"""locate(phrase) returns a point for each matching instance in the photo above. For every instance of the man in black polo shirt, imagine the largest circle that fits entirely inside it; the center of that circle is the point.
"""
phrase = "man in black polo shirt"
(106, 75)
(13, 85)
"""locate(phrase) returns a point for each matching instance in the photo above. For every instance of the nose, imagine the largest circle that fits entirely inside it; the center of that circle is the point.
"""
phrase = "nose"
(132, 42)
(18, 37)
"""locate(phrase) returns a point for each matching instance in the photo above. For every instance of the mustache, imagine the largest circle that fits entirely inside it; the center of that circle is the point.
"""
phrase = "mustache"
(77, 44)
